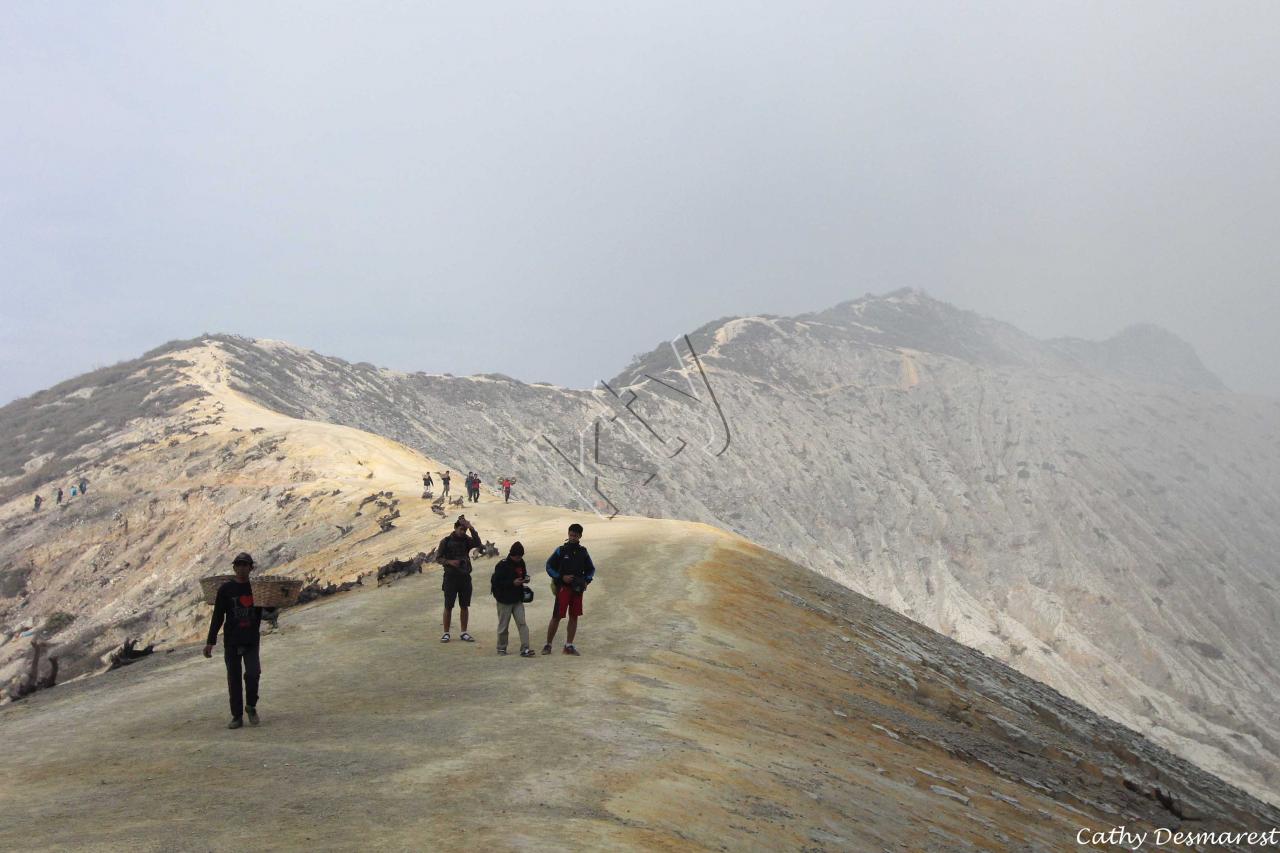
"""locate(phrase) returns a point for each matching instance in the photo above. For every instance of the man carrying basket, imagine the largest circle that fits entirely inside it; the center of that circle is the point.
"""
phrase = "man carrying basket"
(234, 607)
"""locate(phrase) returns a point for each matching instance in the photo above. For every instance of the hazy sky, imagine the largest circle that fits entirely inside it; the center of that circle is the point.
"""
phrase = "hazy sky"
(545, 189)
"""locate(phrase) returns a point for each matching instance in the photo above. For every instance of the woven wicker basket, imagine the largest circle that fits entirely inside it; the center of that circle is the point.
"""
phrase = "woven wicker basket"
(275, 590)
(210, 585)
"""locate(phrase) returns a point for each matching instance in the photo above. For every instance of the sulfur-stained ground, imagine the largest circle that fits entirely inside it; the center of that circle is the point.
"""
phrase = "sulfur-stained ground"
(726, 699)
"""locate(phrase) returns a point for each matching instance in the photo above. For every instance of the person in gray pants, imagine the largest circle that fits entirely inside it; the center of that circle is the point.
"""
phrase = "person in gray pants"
(508, 584)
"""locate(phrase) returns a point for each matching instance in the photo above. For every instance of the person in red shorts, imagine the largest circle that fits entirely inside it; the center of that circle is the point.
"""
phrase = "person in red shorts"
(571, 571)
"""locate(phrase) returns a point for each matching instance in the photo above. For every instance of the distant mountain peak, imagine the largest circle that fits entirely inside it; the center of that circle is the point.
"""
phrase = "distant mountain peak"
(1144, 352)
(911, 319)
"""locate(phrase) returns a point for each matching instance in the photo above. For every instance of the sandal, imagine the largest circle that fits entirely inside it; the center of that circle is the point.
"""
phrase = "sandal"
(445, 638)
(466, 638)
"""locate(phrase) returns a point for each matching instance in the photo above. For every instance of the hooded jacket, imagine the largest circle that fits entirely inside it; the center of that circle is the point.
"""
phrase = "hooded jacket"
(502, 584)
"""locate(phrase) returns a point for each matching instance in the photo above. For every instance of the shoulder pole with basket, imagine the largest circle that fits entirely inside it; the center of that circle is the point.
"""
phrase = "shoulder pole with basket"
(268, 590)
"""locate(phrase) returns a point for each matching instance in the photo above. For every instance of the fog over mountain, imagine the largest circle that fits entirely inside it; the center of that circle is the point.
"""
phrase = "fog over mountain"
(451, 186)
(1097, 514)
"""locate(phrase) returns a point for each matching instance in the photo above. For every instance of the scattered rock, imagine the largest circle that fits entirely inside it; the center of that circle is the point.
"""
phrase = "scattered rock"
(128, 653)
(314, 590)
(400, 568)
(947, 792)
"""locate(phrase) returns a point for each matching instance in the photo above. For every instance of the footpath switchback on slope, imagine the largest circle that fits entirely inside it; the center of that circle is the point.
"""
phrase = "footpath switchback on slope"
(726, 699)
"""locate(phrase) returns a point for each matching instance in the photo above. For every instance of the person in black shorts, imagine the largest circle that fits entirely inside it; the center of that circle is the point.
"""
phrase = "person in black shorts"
(454, 553)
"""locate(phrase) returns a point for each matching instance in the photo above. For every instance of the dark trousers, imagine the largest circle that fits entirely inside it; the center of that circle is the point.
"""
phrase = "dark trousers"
(252, 668)
(506, 496)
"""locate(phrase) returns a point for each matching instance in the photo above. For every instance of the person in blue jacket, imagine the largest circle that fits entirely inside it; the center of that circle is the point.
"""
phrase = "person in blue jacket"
(571, 570)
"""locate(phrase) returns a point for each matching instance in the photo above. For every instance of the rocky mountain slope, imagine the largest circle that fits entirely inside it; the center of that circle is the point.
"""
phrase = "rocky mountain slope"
(1100, 516)
(727, 699)
(171, 496)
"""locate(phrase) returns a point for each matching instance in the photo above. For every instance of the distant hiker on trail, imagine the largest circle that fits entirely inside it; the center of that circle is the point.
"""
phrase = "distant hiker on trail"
(240, 637)
(475, 488)
(73, 491)
(510, 578)
(507, 483)
(444, 482)
(39, 500)
(454, 553)
(58, 499)
(571, 570)
(84, 487)
(427, 482)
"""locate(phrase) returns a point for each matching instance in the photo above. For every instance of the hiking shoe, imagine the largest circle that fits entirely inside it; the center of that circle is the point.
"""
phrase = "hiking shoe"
(546, 650)
(527, 653)
(570, 650)
(467, 638)
(252, 713)
(444, 638)
(235, 723)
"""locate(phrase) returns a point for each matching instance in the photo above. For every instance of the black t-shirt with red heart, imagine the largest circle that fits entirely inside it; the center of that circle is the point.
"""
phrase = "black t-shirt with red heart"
(235, 607)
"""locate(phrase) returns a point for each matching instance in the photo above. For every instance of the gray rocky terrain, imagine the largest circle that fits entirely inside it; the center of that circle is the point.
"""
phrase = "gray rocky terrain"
(1100, 516)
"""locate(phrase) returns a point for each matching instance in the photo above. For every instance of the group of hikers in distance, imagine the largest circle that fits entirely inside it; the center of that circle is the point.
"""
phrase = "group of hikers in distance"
(79, 487)
(472, 482)
(569, 567)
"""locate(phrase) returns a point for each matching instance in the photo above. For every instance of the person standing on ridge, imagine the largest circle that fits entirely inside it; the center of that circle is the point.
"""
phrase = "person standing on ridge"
(444, 483)
(507, 483)
(475, 488)
(454, 553)
(571, 569)
(510, 577)
(427, 482)
(234, 607)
